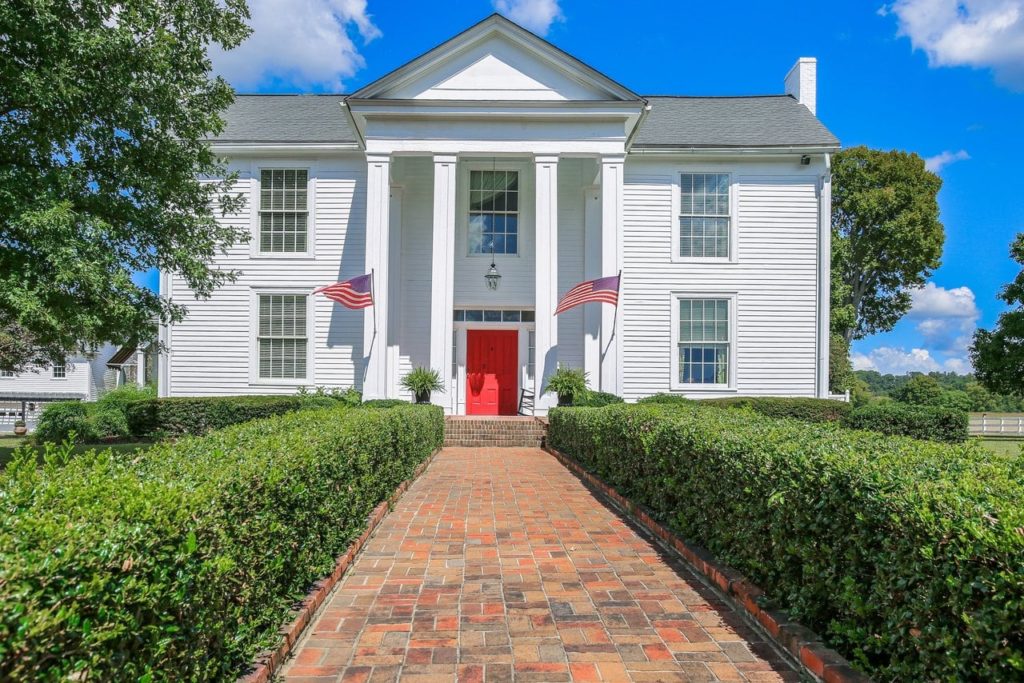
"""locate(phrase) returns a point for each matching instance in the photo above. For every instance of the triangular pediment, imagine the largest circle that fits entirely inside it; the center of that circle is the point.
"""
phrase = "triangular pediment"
(496, 60)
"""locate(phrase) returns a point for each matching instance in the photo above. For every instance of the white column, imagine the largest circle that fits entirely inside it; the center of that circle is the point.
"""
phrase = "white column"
(375, 321)
(442, 276)
(546, 222)
(591, 271)
(611, 264)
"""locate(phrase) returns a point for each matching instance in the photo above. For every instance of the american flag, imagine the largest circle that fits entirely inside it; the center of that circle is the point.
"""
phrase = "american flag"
(602, 290)
(354, 293)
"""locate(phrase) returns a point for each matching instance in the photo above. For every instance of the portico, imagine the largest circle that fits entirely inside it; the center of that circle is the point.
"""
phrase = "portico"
(491, 148)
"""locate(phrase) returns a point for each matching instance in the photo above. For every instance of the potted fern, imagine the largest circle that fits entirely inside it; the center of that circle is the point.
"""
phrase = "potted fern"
(569, 383)
(421, 382)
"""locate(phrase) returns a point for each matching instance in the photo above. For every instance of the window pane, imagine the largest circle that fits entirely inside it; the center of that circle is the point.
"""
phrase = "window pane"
(281, 336)
(492, 316)
(704, 222)
(493, 212)
(704, 341)
(510, 316)
(283, 210)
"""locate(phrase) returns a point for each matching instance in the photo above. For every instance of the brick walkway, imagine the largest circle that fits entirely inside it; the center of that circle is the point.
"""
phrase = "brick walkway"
(499, 565)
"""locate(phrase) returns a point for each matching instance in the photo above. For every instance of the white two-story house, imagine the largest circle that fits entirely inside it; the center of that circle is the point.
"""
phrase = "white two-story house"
(498, 148)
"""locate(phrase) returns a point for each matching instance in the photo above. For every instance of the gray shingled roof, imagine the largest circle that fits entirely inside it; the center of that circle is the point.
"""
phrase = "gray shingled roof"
(763, 121)
(673, 122)
(286, 118)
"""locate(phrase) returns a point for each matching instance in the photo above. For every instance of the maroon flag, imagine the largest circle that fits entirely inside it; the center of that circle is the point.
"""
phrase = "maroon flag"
(602, 290)
(354, 293)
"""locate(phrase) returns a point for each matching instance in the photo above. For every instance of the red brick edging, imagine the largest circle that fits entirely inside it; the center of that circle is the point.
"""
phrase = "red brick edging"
(268, 663)
(803, 644)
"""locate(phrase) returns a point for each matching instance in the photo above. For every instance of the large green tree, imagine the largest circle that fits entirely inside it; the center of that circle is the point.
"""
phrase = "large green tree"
(998, 354)
(104, 109)
(886, 237)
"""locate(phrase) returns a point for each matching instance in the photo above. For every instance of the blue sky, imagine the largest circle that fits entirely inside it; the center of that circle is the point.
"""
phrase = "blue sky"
(943, 78)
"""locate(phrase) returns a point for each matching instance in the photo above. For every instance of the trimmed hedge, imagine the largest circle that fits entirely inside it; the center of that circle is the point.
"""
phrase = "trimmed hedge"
(596, 399)
(182, 563)
(806, 409)
(197, 415)
(60, 418)
(906, 555)
(921, 422)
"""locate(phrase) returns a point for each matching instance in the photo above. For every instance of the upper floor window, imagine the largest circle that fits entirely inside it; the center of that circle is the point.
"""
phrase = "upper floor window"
(703, 341)
(494, 212)
(284, 214)
(281, 337)
(704, 215)
(60, 371)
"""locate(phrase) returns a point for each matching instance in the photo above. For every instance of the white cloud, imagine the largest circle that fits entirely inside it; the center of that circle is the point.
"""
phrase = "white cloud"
(932, 301)
(943, 159)
(891, 360)
(945, 319)
(303, 42)
(536, 15)
(984, 34)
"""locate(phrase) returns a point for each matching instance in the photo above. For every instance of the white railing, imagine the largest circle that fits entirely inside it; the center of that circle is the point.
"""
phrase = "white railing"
(986, 424)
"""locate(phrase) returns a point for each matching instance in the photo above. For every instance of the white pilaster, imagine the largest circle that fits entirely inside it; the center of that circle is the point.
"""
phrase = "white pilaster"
(442, 276)
(611, 264)
(375, 322)
(591, 271)
(546, 276)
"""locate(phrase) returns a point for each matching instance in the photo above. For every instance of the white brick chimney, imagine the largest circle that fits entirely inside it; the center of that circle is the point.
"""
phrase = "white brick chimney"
(802, 82)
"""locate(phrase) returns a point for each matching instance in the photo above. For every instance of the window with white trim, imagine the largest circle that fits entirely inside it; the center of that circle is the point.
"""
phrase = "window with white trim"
(494, 212)
(60, 371)
(284, 214)
(6, 373)
(704, 215)
(704, 341)
(281, 336)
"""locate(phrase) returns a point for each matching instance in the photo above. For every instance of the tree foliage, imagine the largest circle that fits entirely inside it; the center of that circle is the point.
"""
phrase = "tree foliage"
(887, 237)
(104, 112)
(998, 354)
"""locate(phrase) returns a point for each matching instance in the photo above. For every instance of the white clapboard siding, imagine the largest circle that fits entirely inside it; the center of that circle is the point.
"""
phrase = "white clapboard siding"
(570, 258)
(210, 349)
(416, 177)
(774, 279)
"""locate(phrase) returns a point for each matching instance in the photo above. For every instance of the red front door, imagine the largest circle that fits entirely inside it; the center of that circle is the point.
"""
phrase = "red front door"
(492, 369)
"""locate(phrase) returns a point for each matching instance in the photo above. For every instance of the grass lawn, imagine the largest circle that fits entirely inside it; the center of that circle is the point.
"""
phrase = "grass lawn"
(1003, 446)
(9, 443)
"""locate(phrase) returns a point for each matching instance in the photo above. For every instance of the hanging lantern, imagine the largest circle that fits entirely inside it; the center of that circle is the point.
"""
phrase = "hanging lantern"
(493, 277)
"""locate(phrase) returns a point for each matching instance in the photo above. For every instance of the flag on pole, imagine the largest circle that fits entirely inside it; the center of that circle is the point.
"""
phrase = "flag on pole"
(354, 293)
(602, 290)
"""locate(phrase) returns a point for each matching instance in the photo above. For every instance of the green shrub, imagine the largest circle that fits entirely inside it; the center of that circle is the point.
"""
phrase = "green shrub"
(384, 403)
(107, 422)
(806, 409)
(197, 415)
(667, 400)
(182, 563)
(596, 399)
(907, 556)
(920, 422)
(129, 393)
(61, 418)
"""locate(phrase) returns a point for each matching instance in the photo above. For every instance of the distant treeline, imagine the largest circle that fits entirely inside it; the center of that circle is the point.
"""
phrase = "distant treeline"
(934, 388)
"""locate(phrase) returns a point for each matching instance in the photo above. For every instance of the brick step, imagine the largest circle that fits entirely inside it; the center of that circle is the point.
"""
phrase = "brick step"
(494, 432)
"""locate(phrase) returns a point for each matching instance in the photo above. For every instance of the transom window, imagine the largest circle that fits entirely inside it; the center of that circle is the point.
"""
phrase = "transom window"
(60, 371)
(475, 315)
(704, 341)
(494, 212)
(281, 336)
(284, 214)
(704, 215)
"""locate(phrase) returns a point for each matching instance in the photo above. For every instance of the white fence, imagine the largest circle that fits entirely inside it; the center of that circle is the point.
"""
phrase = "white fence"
(997, 424)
